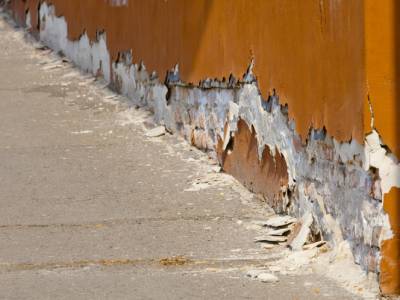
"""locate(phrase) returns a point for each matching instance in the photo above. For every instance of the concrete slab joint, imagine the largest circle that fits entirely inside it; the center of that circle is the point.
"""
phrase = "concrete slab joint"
(337, 187)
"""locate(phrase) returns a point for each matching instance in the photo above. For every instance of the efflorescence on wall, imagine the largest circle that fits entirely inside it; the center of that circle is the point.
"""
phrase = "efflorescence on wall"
(342, 184)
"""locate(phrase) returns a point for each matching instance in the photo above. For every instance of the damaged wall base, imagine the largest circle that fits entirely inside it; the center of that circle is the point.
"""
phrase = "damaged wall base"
(340, 185)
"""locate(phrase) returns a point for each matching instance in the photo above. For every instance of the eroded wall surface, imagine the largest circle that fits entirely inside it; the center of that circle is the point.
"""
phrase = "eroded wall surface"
(212, 72)
(382, 41)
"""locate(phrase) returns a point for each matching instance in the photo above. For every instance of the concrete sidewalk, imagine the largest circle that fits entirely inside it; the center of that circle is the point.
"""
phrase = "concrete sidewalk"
(92, 208)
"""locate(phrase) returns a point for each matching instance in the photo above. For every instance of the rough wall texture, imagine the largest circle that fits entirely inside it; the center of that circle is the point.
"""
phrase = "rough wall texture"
(322, 68)
(240, 158)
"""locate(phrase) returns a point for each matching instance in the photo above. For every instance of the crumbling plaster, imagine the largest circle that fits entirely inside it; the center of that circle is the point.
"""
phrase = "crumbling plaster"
(342, 184)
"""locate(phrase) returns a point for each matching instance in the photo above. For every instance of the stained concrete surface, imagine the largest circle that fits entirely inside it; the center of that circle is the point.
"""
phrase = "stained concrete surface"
(90, 206)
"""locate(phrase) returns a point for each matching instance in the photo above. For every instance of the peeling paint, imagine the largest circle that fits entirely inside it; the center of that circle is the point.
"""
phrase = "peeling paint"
(332, 180)
(91, 57)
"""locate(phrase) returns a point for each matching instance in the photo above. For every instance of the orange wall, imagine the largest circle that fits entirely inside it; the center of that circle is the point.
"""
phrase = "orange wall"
(382, 24)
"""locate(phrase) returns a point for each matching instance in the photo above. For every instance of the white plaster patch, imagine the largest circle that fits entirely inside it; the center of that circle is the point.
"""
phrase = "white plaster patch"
(28, 22)
(377, 156)
(91, 57)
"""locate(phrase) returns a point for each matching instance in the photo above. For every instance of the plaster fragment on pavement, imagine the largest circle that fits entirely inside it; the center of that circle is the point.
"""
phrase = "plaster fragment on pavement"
(279, 232)
(267, 277)
(279, 221)
(254, 273)
(156, 132)
(262, 275)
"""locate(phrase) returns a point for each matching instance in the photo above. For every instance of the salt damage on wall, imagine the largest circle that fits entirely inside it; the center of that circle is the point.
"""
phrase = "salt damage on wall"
(342, 185)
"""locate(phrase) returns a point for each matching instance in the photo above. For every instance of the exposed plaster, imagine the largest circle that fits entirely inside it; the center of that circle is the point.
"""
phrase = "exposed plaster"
(371, 111)
(28, 23)
(91, 57)
(118, 2)
(377, 156)
(332, 180)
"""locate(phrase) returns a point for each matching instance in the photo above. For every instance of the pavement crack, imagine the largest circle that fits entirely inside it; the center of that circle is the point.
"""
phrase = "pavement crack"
(173, 262)
(133, 221)
(60, 147)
